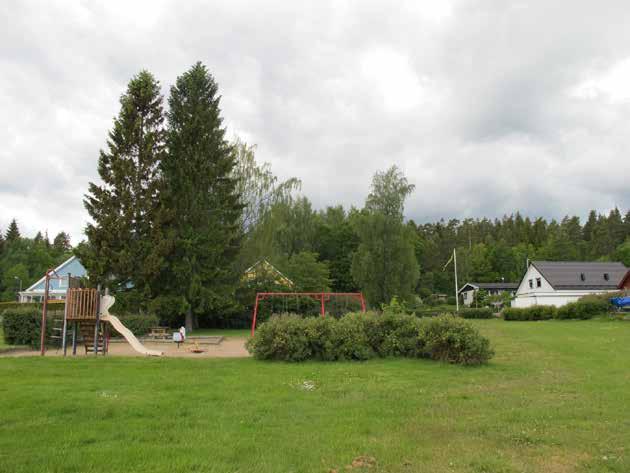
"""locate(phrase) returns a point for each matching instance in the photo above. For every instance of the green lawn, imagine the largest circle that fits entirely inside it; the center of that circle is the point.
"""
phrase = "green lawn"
(556, 398)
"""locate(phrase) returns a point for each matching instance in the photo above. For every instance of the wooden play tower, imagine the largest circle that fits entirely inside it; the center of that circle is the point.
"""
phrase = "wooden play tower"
(83, 312)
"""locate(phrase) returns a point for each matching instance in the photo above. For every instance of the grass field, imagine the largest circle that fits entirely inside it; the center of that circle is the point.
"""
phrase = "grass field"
(554, 399)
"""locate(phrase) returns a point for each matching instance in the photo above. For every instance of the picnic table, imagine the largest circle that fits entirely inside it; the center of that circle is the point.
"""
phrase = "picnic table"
(159, 332)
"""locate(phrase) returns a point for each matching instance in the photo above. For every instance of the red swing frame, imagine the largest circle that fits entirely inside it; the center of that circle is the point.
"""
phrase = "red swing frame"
(323, 297)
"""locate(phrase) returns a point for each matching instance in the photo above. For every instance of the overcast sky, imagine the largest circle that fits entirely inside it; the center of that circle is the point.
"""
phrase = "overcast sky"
(488, 106)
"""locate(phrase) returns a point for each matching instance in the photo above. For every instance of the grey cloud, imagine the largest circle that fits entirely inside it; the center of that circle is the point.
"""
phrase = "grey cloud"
(473, 99)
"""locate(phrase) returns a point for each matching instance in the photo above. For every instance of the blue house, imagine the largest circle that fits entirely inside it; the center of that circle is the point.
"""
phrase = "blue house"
(58, 284)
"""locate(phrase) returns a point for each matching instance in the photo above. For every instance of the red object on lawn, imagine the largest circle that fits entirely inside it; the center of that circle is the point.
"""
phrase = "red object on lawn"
(321, 296)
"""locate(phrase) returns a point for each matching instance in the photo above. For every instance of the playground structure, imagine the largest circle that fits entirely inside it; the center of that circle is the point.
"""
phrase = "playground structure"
(87, 311)
(321, 297)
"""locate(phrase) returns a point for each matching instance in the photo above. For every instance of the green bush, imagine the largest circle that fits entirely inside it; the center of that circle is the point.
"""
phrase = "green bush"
(451, 339)
(535, 312)
(139, 324)
(585, 308)
(476, 313)
(358, 336)
(22, 326)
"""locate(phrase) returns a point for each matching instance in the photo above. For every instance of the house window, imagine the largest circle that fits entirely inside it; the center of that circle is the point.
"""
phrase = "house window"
(63, 282)
(582, 276)
(606, 276)
(531, 284)
(538, 282)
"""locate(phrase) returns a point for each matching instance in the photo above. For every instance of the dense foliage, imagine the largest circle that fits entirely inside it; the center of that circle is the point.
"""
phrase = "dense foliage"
(22, 326)
(24, 260)
(358, 336)
(139, 324)
(585, 308)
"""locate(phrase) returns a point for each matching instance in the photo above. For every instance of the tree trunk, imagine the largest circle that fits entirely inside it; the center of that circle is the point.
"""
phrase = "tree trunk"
(189, 321)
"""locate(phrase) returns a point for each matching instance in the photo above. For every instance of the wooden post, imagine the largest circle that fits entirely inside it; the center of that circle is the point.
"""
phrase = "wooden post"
(74, 338)
(254, 315)
(323, 309)
(64, 332)
(44, 314)
(98, 320)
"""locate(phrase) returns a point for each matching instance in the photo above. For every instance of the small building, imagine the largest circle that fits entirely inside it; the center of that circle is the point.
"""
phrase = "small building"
(57, 286)
(560, 282)
(264, 270)
(469, 290)
(625, 282)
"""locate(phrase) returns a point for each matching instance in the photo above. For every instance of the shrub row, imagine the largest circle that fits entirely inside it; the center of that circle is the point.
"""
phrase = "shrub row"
(476, 313)
(535, 312)
(358, 336)
(22, 325)
(585, 308)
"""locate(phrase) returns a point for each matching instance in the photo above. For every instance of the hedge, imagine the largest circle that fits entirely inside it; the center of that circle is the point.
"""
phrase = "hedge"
(358, 336)
(476, 313)
(22, 326)
(535, 312)
(585, 308)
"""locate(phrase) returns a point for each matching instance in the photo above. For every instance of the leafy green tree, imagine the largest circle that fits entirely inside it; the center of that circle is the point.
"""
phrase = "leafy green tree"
(201, 217)
(308, 273)
(12, 279)
(336, 241)
(120, 239)
(622, 253)
(384, 264)
(259, 188)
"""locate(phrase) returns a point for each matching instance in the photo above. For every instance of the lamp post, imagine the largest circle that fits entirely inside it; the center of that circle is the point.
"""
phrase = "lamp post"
(20, 280)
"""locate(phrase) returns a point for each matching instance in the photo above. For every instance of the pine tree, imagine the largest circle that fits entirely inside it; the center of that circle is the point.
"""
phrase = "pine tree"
(13, 232)
(61, 243)
(202, 209)
(123, 207)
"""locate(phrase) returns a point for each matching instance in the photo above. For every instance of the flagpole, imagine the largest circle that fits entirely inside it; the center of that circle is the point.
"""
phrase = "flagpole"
(456, 288)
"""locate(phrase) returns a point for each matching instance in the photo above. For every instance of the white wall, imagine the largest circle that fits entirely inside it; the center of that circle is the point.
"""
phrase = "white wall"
(468, 296)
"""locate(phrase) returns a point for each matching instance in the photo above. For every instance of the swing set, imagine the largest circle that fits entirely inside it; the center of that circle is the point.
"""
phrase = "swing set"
(321, 297)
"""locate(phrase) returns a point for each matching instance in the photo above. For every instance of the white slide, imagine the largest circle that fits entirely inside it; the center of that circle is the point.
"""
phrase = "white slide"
(106, 303)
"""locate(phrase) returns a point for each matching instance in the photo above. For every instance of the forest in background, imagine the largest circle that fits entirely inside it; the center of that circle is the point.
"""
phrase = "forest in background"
(316, 246)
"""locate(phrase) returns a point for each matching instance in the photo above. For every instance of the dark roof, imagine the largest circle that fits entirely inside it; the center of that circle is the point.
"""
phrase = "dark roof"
(492, 285)
(568, 274)
(496, 285)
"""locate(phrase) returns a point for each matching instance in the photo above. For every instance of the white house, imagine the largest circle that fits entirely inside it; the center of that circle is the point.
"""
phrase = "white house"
(58, 285)
(559, 282)
(469, 289)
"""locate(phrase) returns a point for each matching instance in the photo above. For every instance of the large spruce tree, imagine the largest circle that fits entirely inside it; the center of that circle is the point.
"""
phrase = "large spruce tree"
(119, 249)
(202, 208)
